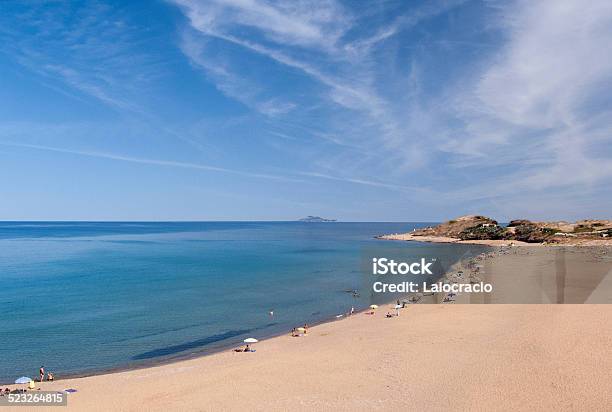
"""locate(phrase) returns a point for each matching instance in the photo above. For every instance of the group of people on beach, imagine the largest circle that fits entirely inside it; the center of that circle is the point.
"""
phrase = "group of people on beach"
(41, 375)
(247, 348)
(296, 332)
(41, 378)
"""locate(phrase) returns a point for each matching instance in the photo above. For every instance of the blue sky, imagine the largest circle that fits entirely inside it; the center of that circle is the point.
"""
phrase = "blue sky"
(253, 109)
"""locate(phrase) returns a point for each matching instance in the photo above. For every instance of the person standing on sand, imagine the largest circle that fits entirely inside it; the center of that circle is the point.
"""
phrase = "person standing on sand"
(41, 372)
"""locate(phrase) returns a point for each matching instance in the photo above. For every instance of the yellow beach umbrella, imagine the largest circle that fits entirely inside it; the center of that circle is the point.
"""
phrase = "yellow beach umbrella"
(300, 329)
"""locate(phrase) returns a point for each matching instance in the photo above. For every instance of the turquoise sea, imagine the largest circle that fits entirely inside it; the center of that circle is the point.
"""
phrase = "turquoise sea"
(84, 297)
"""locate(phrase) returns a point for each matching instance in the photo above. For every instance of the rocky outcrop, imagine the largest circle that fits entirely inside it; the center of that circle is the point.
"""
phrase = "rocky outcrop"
(484, 232)
(454, 228)
(532, 233)
(476, 227)
(519, 222)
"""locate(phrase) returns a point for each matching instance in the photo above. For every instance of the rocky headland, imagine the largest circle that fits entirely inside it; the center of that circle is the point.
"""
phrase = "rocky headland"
(484, 230)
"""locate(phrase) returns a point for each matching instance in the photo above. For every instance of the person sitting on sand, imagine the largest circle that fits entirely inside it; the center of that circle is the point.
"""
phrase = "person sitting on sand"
(248, 348)
(389, 315)
(50, 376)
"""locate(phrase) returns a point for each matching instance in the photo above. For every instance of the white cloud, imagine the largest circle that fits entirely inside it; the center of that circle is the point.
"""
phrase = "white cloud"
(349, 84)
(304, 23)
(532, 108)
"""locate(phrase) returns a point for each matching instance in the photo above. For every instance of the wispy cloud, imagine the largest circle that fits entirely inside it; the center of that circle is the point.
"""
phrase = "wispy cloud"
(302, 23)
(369, 182)
(458, 101)
(539, 105)
(154, 162)
(323, 48)
(92, 48)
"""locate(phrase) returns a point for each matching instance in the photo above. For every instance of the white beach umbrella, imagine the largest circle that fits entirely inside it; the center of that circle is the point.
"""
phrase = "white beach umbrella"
(373, 306)
(23, 380)
(250, 340)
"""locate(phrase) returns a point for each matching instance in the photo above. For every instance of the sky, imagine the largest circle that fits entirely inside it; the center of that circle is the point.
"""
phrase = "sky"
(274, 110)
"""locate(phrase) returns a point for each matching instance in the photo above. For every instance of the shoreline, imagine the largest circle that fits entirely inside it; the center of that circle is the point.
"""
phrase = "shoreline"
(426, 339)
(408, 237)
(221, 348)
(205, 352)
(412, 359)
(368, 333)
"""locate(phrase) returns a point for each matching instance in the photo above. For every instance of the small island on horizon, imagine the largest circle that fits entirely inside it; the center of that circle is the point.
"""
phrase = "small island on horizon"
(315, 219)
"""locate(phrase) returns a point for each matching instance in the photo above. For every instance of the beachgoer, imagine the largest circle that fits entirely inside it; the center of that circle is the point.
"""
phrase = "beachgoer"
(352, 310)
(271, 313)
(305, 328)
(248, 348)
(50, 376)
(41, 372)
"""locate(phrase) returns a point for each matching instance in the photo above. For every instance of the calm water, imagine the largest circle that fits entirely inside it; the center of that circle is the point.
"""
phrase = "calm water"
(85, 297)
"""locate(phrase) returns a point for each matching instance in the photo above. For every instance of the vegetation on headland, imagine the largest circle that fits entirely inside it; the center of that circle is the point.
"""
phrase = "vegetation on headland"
(475, 227)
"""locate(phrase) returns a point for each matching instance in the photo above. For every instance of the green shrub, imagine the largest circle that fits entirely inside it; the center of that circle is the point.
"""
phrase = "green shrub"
(482, 232)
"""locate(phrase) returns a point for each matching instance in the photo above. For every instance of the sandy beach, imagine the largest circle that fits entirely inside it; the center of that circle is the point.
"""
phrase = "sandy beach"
(435, 357)
(520, 356)
(489, 242)
(445, 239)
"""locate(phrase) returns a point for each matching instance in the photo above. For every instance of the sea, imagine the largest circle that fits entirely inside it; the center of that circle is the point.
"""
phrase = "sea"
(82, 298)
